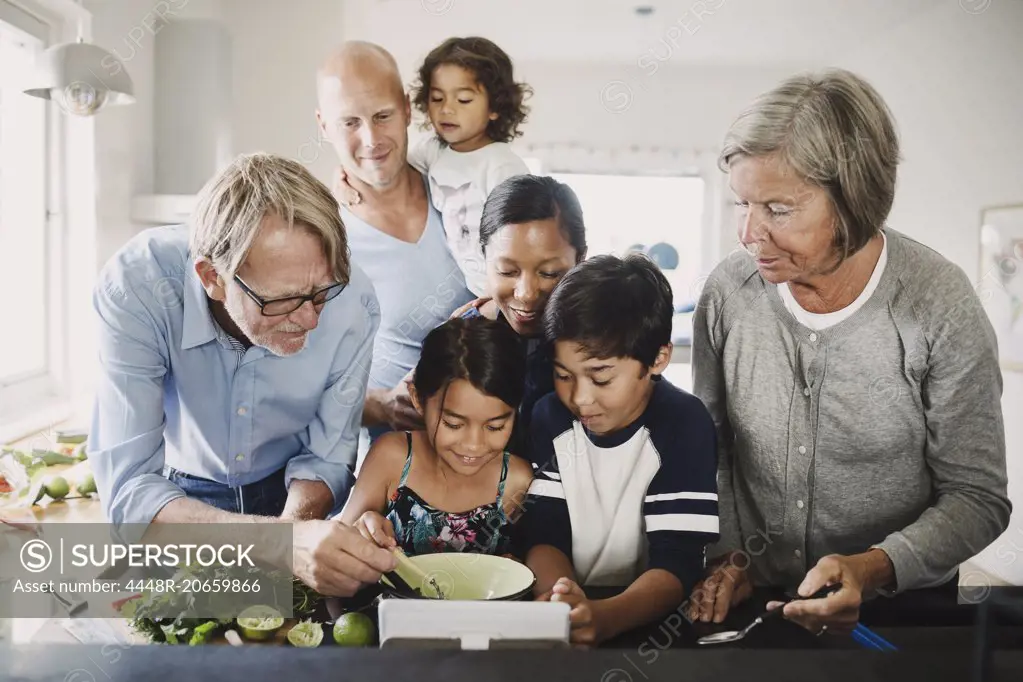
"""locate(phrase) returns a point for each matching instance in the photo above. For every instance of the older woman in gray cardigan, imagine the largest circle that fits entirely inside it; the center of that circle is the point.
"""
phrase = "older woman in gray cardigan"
(851, 371)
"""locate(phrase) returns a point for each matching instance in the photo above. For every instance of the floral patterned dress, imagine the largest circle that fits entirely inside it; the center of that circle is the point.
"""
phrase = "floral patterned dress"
(421, 528)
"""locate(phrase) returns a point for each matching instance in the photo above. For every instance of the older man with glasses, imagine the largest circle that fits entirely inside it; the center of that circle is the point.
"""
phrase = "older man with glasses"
(232, 379)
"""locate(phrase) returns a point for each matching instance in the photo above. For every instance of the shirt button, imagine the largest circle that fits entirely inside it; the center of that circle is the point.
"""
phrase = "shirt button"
(813, 337)
(802, 449)
(798, 554)
(242, 411)
(806, 391)
(799, 504)
(239, 457)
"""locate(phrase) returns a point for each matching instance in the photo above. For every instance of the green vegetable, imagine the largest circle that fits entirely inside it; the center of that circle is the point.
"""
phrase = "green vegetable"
(86, 484)
(170, 632)
(57, 487)
(72, 437)
(25, 474)
(203, 633)
(142, 612)
(306, 599)
(50, 457)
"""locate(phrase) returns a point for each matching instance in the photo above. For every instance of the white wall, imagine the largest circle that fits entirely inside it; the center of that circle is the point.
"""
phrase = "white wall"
(124, 135)
(953, 82)
(277, 48)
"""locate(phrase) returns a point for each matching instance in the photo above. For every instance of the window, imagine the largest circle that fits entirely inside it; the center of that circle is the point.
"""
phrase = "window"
(27, 353)
(634, 212)
(629, 211)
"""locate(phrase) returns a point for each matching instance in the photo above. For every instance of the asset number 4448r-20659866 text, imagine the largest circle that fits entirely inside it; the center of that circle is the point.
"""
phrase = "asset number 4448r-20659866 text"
(235, 585)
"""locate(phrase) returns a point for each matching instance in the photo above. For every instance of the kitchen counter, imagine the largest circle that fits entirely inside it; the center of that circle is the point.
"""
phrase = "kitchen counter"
(272, 664)
(72, 510)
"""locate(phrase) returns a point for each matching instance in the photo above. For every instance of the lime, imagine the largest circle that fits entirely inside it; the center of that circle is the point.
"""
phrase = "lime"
(57, 487)
(86, 484)
(306, 634)
(259, 622)
(354, 629)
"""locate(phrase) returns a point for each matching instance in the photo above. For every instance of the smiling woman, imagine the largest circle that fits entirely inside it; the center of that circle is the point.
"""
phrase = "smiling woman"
(532, 234)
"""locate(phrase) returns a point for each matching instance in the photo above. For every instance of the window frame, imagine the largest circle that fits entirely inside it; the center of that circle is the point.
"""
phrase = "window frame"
(38, 398)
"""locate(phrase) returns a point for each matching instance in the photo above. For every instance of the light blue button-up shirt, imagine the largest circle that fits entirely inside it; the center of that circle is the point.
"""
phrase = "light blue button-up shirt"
(174, 390)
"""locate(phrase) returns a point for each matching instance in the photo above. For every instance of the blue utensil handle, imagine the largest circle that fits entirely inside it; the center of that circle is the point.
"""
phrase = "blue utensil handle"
(865, 641)
(880, 643)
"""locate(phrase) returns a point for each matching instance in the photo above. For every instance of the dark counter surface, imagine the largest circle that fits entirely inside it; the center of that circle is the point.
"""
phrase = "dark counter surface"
(279, 664)
(935, 635)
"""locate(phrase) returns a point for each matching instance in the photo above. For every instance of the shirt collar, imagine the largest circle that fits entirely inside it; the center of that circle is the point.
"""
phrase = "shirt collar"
(198, 327)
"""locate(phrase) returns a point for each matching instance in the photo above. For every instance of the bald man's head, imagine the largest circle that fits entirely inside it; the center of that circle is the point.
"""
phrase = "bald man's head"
(364, 111)
(357, 59)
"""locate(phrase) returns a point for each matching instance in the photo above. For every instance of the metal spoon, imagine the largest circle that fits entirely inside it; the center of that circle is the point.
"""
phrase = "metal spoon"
(735, 635)
(411, 568)
(400, 586)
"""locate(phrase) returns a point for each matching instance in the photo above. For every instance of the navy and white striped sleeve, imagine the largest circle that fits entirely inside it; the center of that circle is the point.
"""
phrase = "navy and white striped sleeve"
(546, 520)
(680, 510)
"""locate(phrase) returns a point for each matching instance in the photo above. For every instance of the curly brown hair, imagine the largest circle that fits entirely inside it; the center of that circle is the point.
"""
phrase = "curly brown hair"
(493, 70)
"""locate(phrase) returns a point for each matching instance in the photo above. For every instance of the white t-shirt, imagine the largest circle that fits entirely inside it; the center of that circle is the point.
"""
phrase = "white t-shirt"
(460, 183)
(818, 321)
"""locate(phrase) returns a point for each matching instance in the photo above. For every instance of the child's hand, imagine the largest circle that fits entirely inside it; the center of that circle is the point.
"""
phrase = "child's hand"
(584, 630)
(343, 192)
(375, 528)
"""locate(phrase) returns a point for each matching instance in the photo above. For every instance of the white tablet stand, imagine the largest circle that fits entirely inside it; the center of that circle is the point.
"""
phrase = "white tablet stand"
(439, 624)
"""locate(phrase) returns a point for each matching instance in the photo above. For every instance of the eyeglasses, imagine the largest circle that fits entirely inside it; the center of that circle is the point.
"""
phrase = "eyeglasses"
(282, 306)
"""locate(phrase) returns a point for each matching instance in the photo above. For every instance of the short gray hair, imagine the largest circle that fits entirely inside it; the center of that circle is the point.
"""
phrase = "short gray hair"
(233, 204)
(835, 131)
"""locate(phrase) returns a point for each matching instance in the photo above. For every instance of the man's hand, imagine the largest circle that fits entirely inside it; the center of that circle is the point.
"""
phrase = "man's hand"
(335, 560)
(377, 529)
(475, 303)
(584, 629)
(345, 194)
(394, 408)
(725, 586)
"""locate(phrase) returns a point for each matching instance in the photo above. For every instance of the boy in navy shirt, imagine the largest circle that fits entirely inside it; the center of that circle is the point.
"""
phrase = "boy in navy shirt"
(625, 490)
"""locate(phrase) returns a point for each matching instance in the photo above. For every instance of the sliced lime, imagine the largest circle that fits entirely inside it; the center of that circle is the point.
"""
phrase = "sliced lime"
(259, 622)
(306, 634)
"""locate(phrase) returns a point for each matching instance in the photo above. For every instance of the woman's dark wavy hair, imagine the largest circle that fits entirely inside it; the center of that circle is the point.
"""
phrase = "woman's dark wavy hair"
(493, 70)
(484, 352)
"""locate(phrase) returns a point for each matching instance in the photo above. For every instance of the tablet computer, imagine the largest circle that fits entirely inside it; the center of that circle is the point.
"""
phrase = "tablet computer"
(443, 624)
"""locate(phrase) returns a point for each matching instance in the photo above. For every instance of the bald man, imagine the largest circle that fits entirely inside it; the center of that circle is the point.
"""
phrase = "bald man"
(395, 234)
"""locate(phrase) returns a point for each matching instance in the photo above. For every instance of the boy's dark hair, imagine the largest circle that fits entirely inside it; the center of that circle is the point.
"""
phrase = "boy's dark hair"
(613, 307)
(493, 70)
(484, 352)
(527, 198)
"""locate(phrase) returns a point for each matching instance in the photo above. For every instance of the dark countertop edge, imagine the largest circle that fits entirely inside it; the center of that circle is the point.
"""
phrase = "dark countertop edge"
(80, 663)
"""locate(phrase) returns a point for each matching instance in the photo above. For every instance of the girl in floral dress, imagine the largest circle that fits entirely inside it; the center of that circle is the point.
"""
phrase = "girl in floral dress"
(452, 487)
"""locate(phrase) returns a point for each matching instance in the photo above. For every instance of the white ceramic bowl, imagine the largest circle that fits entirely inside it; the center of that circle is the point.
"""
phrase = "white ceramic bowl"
(473, 577)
